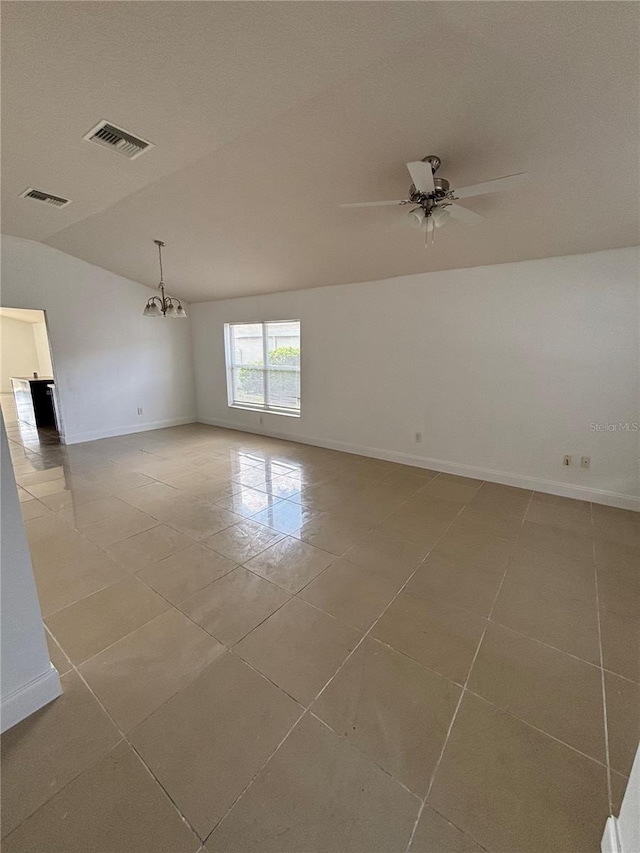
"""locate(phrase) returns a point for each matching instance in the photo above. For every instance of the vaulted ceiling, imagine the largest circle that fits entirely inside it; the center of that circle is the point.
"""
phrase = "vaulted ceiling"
(265, 116)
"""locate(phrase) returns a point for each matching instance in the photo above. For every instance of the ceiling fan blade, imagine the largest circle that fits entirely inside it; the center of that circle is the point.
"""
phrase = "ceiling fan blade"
(510, 182)
(372, 203)
(462, 214)
(422, 176)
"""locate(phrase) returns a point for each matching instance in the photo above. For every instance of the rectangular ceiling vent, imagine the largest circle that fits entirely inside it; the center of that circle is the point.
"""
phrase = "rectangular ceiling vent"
(45, 198)
(125, 143)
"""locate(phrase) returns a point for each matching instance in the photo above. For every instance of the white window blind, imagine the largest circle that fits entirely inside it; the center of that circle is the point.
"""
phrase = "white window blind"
(263, 366)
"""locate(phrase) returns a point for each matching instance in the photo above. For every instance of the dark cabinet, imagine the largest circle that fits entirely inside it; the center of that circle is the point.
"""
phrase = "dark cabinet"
(34, 401)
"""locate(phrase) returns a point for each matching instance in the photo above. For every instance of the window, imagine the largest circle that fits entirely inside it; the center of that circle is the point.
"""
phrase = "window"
(263, 366)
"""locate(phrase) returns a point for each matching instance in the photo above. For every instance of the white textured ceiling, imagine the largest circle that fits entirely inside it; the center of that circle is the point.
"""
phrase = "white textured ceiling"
(266, 116)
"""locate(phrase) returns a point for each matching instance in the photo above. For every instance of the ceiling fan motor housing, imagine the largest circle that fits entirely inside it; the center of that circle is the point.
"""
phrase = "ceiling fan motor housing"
(442, 187)
(426, 200)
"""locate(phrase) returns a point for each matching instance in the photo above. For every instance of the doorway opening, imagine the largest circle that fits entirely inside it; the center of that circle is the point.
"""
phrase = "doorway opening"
(28, 395)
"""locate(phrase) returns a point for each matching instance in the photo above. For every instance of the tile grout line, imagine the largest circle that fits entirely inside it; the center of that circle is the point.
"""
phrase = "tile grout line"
(307, 710)
(172, 606)
(387, 772)
(536, 729)
(117, 496)
(317, 696)
(232, 647)
(543, 643)
(131, 536)
(605, 719)
(357, 749)
(176, 606)
(464, 686)
(125, 738)
(493, 704)
(488, 619)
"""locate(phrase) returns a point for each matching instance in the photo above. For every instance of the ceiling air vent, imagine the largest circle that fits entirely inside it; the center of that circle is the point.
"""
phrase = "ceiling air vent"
(45, 198)
(110, 136)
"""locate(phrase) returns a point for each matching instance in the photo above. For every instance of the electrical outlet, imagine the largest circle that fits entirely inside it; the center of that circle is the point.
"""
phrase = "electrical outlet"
(566, 460)
(418, 438)
(139, 410)
(585, 461)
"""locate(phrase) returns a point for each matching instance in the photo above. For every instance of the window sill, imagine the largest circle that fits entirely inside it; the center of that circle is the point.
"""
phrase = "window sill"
(265, 411)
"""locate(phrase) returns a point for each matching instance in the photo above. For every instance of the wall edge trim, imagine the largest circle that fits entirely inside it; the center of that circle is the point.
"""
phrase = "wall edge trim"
(129, 429)
(610, 841)
(30, 697)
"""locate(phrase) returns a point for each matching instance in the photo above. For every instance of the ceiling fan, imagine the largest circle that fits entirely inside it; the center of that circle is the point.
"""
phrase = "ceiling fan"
(434, 198)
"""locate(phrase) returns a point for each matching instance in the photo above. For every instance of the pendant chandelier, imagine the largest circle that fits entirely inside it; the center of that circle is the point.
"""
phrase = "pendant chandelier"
(163, 306)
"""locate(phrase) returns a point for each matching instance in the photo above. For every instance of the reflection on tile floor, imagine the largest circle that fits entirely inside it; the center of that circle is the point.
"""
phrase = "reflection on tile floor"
(269, 646)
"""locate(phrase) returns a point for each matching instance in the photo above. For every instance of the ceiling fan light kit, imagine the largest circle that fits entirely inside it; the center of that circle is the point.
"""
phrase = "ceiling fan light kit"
(163, 305)
(435, 200)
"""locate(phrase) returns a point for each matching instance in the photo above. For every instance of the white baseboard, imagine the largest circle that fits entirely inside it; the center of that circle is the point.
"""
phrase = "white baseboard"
(29, 698)
(94, 435)
(565, 490)
(610, 842)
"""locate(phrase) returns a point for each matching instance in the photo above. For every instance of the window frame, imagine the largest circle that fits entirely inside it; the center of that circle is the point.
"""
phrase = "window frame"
(230, 366)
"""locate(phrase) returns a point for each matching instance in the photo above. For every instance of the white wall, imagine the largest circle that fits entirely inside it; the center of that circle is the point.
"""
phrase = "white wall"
(29, 680)
(503, 369)
(42, 348)
(18, 354)
(108, 359)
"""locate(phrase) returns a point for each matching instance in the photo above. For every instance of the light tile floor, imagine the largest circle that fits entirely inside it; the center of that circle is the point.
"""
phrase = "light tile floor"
(267, 646)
